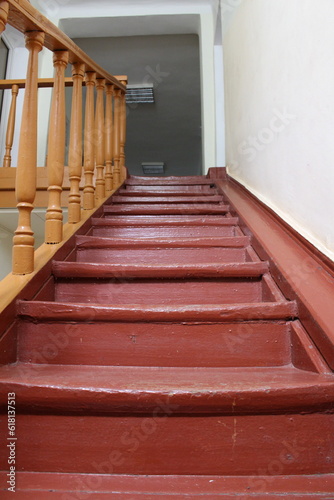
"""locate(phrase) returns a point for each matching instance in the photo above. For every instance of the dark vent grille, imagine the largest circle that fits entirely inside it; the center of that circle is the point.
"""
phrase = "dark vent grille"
(139, 95)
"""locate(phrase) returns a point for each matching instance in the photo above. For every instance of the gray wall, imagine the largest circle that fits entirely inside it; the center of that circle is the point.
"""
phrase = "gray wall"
(170, 129)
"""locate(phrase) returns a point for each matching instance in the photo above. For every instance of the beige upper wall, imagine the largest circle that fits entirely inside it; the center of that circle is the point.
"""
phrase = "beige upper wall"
(279, 90)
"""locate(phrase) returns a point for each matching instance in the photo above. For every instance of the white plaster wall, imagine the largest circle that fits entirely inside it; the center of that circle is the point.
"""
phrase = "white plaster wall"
(279, 78)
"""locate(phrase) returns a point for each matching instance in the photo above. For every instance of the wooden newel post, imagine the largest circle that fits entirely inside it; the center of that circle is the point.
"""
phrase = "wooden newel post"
(4, 11)
(122, 132)
(109, 138)
(117, 147)
(56, 151)
(100, 139)
(7, 161)
(75, 147)
(89, 149)
(23, 250)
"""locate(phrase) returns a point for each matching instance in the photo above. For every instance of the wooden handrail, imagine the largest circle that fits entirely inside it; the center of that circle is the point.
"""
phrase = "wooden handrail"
(49, 82)
(104, 130)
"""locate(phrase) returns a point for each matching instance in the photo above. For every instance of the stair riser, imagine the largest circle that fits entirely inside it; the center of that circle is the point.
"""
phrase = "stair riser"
(168, 190)
(161, 256)
(168, 209)
(169, 181)
(124, 291)
(166, 199)
(163, 232)
(155, 344)
(167, 220)
(164, 443)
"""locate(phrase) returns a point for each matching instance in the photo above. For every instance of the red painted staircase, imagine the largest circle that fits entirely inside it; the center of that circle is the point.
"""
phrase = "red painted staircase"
(162, 360)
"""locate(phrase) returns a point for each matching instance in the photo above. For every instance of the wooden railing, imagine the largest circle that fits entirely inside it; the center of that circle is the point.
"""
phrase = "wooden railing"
(99, 155)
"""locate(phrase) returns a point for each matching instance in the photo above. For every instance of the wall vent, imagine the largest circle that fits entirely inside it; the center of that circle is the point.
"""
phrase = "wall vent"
(153, 167)
(140, 94)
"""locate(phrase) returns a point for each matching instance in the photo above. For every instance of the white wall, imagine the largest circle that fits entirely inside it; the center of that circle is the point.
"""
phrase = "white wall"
(279, 77)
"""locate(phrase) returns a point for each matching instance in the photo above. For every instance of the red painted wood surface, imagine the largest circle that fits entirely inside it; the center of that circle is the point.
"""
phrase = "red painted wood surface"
(162, 231)
(151, 443)
(155, 344)
(168, 209)
(168, 190)
(166, 220)
(171, 181)
(163, 256)
(72, 486)
(124, 272)
(167, 199)
(159, 358)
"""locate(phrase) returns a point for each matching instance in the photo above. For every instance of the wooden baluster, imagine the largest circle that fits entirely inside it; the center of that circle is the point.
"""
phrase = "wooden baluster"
(122, 133)
(89, 157)
(23, 250)
(7, 161)
(109, 137)
(117, 150)
(4, 11)
(75, 147)
(56, 151)
(100, 139)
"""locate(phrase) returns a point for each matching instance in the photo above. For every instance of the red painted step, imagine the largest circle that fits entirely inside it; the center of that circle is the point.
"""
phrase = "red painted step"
(198, 313)
(167, 209)
(233, 409)
(222, 391)
(162, 251)
(168, 199)
(177, 487)
(108, 228)
(171, 181)
(97, 271)
(55, 333)
(166, 220)
(167, 190)
(117, 284)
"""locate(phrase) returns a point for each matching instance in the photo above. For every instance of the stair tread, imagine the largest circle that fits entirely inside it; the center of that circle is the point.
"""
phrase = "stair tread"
(180, 486)
(105, 242)
(171, 220)
(171, 181)
(177, 209)
(132, 312)
(167, 199)
(168, 191)
(196, 390)
(95, 270)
